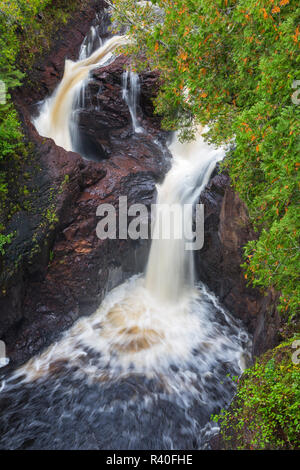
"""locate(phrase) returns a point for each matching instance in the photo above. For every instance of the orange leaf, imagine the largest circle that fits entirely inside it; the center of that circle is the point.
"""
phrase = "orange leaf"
(275, 10)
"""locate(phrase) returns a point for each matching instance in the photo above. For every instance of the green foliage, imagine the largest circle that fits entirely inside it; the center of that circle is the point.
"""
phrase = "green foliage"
(231, 64)
(26, 30)
(265, 413)
(4, 239)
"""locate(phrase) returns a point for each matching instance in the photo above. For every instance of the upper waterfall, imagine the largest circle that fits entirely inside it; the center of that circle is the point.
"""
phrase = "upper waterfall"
(54, 120)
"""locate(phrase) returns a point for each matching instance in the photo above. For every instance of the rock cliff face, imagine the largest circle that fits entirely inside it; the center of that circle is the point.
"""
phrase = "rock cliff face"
(57, 269)
(227, 230)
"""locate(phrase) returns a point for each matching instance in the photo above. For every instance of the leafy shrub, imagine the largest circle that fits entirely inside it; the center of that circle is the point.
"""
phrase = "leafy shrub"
(4, 239)
(265, 413)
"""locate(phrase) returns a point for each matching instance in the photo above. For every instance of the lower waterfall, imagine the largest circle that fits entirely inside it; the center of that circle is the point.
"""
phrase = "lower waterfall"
(170, 270)
(149, 367)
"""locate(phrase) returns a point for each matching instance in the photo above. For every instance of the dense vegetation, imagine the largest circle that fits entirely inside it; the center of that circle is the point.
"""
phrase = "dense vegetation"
(265, 413)
(26, 29)
(232, 64)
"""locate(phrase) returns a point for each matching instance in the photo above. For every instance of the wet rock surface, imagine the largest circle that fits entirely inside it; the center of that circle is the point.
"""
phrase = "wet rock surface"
(227, 230)
(104, 118)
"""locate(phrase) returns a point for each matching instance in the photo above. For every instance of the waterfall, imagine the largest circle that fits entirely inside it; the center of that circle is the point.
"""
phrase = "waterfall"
(91, 42)
(170, 270)
(131, 95)
(151, 365)
(54, 120)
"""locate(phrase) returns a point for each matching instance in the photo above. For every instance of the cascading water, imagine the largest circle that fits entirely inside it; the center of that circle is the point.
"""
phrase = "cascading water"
(55, 118)
(151, 365)
(91, 42)
(170, 268)
(130, 95)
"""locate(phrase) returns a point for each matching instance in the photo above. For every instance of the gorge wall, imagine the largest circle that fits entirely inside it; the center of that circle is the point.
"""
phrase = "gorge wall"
(227, 230)
(56, 268)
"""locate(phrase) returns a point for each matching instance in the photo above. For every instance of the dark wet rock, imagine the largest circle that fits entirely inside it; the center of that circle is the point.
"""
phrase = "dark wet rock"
(227, 230)
(48, 70)
(104, 120)
(65, 411)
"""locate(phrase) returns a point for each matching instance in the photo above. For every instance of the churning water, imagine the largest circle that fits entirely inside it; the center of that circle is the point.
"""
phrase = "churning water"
(137, 374)
(151, 365)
